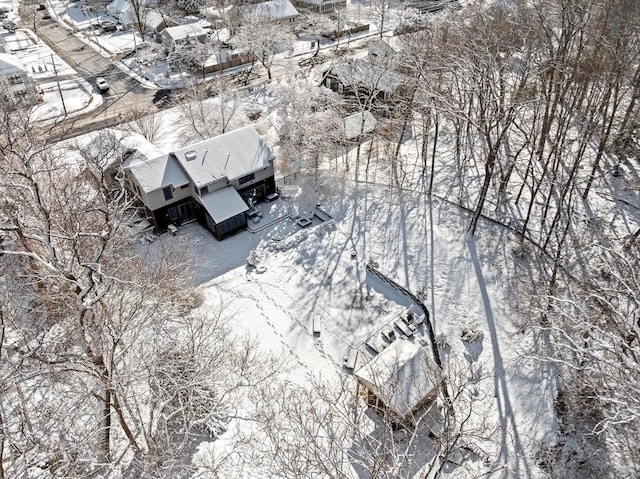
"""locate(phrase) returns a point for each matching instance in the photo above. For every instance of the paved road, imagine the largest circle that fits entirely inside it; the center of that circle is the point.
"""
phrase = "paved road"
(126, 94)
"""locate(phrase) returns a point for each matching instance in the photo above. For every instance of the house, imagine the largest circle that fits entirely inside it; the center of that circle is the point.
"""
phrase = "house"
(116, 7)
(175, 37)
(154, 22)
(16, 83)
(401, 380)
(360, 77)
(212, 181)
(279, 11)
(321, 6)
(125, 11)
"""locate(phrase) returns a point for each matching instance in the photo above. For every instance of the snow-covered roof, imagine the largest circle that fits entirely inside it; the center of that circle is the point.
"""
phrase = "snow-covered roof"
(224, 204)
(230, 155)
(322, 2)
(353, 125)
(118, 6)
(10, 65)
(402, 375)
(182, 32)
(370, 76)
(153, 19)
(155, 173)
(272, 9)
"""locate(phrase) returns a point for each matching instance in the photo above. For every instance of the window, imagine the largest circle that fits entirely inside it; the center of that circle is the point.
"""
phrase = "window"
(168, 193)
(247, 178)
(15, 80)
(204, 190)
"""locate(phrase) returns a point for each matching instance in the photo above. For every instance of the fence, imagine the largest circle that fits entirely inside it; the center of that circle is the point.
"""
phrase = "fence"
(235, 61)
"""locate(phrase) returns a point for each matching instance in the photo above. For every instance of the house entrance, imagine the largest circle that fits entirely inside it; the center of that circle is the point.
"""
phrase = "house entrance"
(258, 192)
(180, 213)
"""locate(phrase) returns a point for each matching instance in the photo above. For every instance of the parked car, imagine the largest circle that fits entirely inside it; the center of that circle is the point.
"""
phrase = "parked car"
(46, 16)
(102, 85)
(389, 334)
(41, 7)
(350, 360)
(404, 328)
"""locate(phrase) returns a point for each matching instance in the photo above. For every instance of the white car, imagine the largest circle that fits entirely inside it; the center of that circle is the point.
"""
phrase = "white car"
(102, 85)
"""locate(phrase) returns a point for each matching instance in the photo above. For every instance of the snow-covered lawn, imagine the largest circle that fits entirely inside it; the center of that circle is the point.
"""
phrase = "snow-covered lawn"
(74, 99)
(319, 274)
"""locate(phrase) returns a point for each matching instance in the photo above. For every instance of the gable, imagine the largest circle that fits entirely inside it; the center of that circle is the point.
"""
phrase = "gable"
(231, 155)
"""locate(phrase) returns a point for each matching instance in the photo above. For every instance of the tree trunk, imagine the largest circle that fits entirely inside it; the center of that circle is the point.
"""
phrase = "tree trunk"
(488, 173)
(433, 153)
(105, 439)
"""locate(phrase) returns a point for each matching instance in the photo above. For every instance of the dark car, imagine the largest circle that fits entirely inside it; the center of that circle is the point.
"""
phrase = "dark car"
(109, 27)
(41, 7)
(389, 334)
(46, 16)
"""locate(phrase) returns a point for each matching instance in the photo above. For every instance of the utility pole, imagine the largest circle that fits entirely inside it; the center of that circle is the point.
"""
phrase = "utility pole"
(55, 72)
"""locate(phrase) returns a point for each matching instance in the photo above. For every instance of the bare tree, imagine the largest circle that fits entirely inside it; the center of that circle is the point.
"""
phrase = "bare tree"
(264, 39)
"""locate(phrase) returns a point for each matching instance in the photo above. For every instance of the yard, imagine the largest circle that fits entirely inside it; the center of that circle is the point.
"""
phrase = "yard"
(319, 274)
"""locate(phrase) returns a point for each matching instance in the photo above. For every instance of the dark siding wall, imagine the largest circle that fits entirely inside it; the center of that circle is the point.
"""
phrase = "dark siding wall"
(161, 216)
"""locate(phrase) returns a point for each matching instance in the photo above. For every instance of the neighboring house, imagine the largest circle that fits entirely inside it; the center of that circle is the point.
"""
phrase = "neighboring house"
(174, 38)
(279, 11)
(106, 152)
(401, 380)
(362, 77)
(212, 181)
(154, 22)
(321, 6)
(16, 83)
(358, 126)
(124, 10)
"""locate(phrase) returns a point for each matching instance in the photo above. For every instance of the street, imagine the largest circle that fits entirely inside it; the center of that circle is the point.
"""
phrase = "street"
(125, 94)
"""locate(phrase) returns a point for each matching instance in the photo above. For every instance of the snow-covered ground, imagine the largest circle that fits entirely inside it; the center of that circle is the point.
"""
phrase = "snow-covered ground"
(64, 93)
(319, 274)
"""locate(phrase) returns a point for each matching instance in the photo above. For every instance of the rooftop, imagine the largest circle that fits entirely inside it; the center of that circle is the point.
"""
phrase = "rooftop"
(230, 155)
(373, 77)
(157, 172)
(273, 9)
(224, 204)
(9, 65)
(182, 32)
(402, 375)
